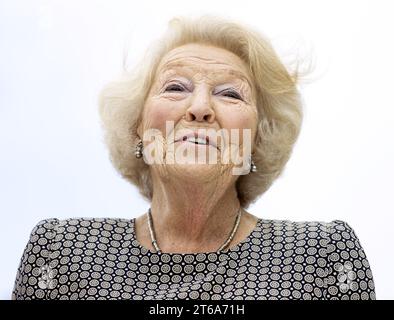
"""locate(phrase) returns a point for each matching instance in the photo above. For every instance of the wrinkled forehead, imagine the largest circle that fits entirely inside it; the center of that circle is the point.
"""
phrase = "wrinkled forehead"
(198, 59)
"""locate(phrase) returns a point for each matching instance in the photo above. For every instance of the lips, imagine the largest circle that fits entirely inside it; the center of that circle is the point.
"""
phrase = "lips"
(197, 137)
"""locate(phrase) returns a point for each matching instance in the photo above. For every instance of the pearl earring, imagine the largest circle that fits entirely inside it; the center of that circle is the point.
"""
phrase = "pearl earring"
(138, 149)
(253, 167)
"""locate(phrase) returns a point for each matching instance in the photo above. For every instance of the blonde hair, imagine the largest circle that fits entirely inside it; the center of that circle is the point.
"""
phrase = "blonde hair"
(278, 102)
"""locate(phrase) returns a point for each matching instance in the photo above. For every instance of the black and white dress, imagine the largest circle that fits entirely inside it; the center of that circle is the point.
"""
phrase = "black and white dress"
(100, 258)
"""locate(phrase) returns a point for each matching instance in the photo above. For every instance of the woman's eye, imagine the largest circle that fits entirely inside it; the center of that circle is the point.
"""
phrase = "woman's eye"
(174, 87)
(232, 94)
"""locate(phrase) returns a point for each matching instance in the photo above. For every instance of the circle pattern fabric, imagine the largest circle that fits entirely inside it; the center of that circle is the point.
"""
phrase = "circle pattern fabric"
(100, 258)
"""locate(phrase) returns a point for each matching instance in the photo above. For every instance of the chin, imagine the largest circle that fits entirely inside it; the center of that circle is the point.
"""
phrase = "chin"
(197, 172)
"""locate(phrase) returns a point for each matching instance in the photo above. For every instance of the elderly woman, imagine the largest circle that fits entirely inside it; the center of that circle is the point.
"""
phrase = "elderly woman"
(216, 90)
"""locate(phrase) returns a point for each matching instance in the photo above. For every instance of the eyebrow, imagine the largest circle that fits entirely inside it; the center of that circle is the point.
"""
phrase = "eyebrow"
(233, 72)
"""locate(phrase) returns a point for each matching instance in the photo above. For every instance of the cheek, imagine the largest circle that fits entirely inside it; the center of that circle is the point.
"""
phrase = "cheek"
(158, 112)
(239, 119)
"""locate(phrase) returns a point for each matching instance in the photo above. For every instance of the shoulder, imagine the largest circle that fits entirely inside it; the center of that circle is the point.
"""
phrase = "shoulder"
(347, 272)
(60, 233)
(49, 222)
(334, 238)
(51, 238)
(79, 224)
(325, 229)
(333, 247)
(52, 229)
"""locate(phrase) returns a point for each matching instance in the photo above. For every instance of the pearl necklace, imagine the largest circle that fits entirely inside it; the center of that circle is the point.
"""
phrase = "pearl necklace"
(224, 245)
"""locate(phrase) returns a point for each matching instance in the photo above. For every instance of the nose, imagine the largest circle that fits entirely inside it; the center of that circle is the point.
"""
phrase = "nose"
(200, 108)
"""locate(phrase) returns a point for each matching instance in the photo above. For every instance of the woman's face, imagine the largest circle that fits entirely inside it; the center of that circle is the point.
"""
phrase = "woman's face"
(200, 87)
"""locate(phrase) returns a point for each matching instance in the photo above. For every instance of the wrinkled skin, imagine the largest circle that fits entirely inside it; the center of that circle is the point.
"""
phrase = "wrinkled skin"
(194, 206)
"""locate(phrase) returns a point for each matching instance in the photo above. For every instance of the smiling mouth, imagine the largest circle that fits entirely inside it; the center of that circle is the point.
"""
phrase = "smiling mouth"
(197, 141)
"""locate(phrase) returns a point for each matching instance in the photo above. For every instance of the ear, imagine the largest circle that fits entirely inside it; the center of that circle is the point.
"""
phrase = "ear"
(139, 130)
(140, 127)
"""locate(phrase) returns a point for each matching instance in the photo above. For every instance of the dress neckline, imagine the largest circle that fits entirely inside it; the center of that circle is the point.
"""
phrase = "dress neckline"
(234, 248)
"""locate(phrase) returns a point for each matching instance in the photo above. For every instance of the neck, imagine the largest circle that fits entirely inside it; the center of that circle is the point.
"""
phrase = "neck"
(201, 219)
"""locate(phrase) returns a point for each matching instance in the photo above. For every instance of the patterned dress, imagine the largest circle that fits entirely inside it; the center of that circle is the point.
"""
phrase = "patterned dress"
(100, 258)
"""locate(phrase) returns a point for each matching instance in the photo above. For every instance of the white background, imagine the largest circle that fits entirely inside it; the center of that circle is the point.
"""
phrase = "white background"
(55, 56)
